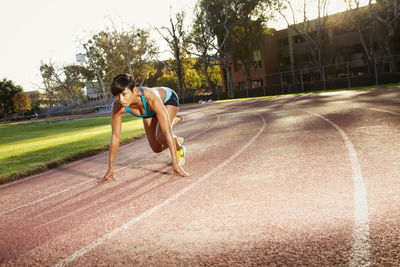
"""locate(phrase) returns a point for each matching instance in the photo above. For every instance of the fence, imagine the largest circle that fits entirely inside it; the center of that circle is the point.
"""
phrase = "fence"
(352, 74)
(98, 105)
(335, 76)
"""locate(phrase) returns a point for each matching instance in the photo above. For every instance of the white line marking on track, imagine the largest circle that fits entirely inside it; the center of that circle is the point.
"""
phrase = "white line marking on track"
(147, 213)
(85, 182)
(361, 240)
(386, 111)
(46, 197)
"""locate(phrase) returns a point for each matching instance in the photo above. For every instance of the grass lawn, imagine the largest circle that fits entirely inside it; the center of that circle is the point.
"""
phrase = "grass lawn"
(27, 148)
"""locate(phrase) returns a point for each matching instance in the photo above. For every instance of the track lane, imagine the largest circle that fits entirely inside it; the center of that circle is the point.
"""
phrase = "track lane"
(256, 213)
(375, 137)
(299, 207)
(20, 194)
(77, 255)
(90, 203)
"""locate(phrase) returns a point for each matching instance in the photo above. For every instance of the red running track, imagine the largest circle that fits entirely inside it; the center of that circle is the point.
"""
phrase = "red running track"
(297, 180)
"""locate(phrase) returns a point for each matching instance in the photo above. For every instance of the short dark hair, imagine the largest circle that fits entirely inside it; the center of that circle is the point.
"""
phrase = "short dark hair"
(120, 82)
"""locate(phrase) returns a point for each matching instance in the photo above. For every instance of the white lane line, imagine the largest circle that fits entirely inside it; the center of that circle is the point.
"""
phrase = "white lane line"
(46, 197)
(85, 182)
(361, 237)
(147, 213)
(93, 157)
(386, 111)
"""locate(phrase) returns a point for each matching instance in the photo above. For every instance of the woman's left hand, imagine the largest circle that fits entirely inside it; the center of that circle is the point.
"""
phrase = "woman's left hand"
(180, 171)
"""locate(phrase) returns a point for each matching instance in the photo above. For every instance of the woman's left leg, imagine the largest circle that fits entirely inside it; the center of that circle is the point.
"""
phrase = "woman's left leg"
(172, 112)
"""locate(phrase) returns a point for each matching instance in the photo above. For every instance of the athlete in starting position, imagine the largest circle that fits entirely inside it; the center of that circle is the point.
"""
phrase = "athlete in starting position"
(158, 107)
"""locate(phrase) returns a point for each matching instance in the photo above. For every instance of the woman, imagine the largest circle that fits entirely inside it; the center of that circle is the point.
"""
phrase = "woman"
(158, 107)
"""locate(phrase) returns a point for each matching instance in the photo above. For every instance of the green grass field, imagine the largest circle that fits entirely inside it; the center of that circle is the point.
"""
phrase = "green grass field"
(30, 147)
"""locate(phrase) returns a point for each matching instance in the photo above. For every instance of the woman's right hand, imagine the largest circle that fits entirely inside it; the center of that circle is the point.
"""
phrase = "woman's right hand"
(108, 177)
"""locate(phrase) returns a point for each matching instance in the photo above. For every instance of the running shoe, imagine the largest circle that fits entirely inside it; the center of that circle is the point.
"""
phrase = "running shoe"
(181, 156)
(180, 140)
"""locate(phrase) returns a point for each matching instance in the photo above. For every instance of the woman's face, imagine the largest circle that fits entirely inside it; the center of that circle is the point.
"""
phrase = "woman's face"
(125, 98)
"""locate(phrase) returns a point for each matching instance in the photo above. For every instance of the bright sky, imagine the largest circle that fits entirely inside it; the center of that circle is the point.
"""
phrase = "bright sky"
(43, 30)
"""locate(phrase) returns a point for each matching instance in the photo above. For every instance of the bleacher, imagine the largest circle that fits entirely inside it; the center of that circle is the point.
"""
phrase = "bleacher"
(102, 105)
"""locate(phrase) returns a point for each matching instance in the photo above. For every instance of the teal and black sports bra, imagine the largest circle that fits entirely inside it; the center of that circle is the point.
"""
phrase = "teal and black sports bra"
(148, 112)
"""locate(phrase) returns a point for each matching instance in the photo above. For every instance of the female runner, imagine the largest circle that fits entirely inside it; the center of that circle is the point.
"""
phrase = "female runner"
(158, 107)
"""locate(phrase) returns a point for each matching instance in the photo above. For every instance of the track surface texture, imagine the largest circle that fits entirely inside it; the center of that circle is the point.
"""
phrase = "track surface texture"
(309, 180)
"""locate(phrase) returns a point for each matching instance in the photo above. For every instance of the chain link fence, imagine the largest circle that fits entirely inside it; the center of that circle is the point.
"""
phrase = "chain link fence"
(357, 73)
(347, 75)
(335, 76)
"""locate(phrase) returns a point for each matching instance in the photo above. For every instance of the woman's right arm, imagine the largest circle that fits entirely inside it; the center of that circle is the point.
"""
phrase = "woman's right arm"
(116, 124)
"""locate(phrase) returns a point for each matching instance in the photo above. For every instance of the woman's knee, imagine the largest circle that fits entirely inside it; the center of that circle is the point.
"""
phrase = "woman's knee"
(157, 148)
(160, 138)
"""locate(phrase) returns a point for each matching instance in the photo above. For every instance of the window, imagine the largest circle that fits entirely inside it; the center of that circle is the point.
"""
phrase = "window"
(257, 64)
(237, 66)
(298, 39)
(257, 83)
(283, 42)
(284, 61)
(341, 30)
(357, 48)
(257, 59)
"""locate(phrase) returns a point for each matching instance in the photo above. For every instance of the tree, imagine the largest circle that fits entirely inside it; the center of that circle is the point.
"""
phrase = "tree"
(217, 22)
(245, 40)
(315, 32)
(168, 80)
(22, 102)
(112, 52)
(37, 101)
(233, 29)
(192, 78)
(387, 15)
(175, 36)
(248, 34)
(214, 73)
(367, 29)
(64, 84)
(7, 91)
(202, 41)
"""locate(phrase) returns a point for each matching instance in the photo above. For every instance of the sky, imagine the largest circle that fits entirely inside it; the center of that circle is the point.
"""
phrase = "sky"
(41, 30)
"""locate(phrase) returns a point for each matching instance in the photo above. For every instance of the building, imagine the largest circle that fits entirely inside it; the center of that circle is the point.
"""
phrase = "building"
(284, 62)
(93, 90)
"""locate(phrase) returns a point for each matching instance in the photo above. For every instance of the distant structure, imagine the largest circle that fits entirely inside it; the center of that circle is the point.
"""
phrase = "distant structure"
(93, 90)
(285, 58)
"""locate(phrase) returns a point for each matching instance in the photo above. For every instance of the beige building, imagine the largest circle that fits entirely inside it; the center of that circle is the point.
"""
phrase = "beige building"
(285, 59)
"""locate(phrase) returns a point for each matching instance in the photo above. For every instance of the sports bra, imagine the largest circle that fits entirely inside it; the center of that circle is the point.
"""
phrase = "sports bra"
(148, 112)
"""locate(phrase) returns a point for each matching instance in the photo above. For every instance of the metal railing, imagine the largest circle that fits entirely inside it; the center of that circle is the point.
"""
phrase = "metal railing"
(357, 73)
(352, 74)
